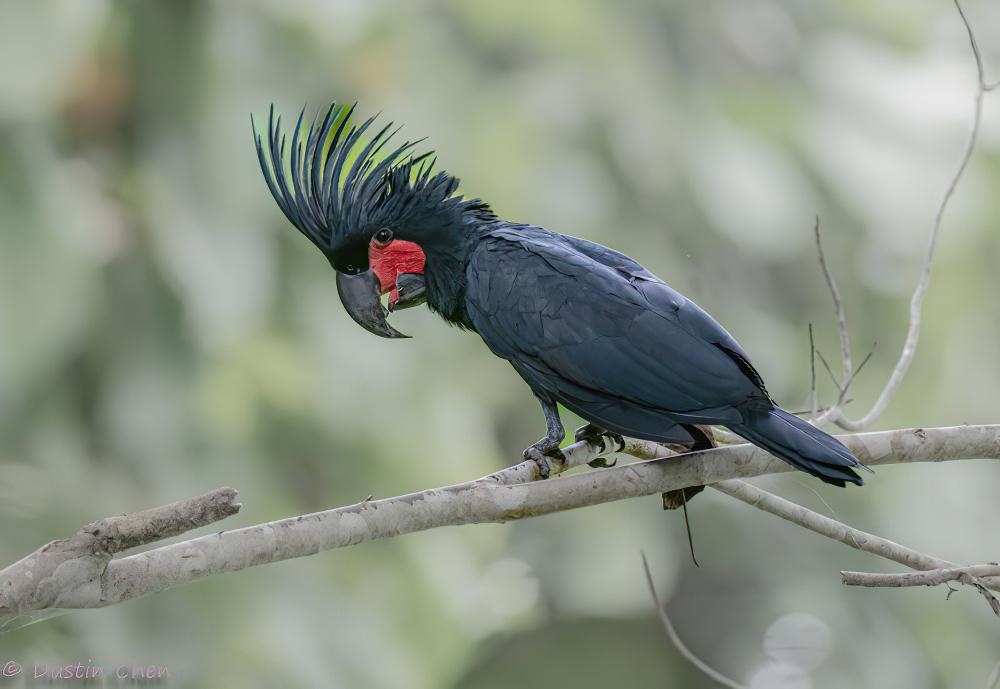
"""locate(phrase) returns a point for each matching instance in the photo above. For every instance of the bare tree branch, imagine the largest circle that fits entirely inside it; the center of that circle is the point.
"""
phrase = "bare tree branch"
(855, 538)
(87, 579)
(973, 575)
(831, 528)
(838, 531)
(39, 581)
(932, 577)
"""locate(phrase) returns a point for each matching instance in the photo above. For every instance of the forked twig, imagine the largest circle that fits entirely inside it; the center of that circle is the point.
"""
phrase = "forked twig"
(835, 413)
(838, 531)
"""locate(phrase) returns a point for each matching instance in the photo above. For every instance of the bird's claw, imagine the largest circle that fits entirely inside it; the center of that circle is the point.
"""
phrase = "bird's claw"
(591, 434)
(541, 459)
(597, 436)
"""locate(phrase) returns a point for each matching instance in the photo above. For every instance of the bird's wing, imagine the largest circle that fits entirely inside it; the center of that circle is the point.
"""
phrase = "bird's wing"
(541, 302)
(610, 258)
(704, 323)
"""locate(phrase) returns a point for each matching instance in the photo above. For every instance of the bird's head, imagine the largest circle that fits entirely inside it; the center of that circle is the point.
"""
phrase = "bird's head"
(370, 208)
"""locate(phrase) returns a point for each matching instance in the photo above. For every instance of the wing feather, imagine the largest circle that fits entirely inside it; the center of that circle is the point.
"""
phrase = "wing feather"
(592, 326)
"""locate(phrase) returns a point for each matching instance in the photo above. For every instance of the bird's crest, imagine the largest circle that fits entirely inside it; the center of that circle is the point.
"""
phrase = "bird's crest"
(337, 185)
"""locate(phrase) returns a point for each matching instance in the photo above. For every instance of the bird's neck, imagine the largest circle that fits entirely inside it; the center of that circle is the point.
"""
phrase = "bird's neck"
(444, 271)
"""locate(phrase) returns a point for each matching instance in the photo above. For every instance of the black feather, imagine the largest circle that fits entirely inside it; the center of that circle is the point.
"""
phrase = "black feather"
(338, 184)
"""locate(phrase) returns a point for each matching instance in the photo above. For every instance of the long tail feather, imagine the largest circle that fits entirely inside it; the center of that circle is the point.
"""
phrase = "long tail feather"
(802, 445)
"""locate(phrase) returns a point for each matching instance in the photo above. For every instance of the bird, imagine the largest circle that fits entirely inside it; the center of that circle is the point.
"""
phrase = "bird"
(584, 325)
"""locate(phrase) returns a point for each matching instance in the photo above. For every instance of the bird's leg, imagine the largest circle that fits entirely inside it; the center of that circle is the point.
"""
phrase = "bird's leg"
(548, 446)
(595, 435)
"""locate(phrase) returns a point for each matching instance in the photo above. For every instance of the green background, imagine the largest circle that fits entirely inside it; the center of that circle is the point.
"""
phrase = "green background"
(164, 331)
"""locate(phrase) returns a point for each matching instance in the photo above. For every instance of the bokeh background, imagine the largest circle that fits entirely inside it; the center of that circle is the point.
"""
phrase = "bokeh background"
(163, 330)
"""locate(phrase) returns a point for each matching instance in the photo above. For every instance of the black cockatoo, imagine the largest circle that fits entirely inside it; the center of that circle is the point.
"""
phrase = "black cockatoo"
(584, 325)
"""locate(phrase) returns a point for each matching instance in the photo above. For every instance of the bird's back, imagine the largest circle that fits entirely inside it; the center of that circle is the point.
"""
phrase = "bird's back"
(575, 317)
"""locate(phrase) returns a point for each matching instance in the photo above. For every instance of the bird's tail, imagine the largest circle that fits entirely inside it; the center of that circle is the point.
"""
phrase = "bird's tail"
(802, 445)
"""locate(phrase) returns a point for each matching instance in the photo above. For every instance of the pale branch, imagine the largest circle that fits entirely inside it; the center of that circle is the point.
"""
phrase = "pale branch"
(39, 581)
(86, 579)
(675, 639)
(836, 414)
(932, 577)
(977, 576)
(855, 538)
(838, 531)
(831, 528)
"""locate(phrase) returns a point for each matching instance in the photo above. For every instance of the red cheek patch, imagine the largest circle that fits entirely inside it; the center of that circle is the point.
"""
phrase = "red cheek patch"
(393, 259)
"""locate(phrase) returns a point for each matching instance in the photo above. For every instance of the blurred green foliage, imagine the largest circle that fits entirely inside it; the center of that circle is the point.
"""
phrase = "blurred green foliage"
(164, 331)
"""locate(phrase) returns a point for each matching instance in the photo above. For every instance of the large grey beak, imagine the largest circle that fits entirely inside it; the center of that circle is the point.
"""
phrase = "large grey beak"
(360, 294)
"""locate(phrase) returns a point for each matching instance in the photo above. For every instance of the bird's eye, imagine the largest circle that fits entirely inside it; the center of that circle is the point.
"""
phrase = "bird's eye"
(351, 270)
(383, 236)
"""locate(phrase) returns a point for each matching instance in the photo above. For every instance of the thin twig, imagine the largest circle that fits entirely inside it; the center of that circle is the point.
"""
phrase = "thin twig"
(833, 376)
(974, 44)
(820, 410)
(854, 374)
(813, 399)
(668, 626)
(838, 306)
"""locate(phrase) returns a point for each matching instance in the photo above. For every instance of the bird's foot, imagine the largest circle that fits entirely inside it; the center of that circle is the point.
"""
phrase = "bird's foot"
(591, 433)
(597, 436)
(541, 455)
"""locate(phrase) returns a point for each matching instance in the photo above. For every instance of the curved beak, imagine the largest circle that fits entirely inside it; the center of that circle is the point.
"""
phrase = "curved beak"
(360, 295)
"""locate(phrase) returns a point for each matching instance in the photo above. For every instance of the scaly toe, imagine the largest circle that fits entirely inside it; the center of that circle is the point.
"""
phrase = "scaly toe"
(542, 460)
